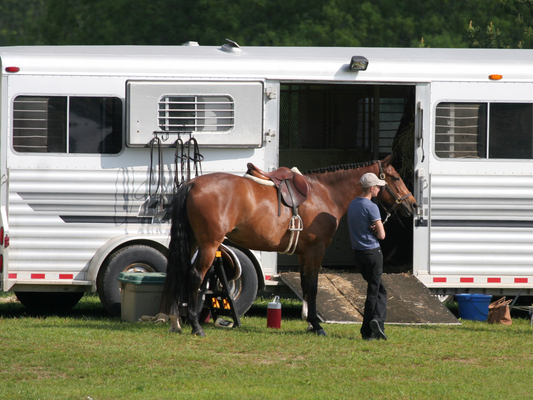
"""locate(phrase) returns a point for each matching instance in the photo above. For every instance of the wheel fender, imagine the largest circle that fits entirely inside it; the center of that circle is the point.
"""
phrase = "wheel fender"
(111, 245)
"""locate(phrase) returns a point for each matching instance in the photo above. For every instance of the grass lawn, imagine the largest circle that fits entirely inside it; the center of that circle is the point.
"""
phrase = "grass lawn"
(85, 354)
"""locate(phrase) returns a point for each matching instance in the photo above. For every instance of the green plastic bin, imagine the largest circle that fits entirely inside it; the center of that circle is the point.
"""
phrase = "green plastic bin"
(140, 294)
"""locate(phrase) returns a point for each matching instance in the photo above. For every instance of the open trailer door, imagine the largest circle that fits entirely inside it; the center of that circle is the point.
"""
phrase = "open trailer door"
(480, 187)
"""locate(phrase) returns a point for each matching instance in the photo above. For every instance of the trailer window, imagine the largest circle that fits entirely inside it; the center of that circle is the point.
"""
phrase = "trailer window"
(484, 130)
(61, 124)
(196, 113)
(460, 130)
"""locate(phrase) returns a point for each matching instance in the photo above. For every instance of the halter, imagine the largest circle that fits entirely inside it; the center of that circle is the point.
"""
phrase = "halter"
(398, 200)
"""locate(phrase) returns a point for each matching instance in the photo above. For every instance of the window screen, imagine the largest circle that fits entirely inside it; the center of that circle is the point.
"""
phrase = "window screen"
(467, 130)
(60, 124)
(460, 130)
(196, 113)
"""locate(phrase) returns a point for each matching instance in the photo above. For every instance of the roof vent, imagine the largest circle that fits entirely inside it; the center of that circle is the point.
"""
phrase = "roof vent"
(189, 43)
(231, 47)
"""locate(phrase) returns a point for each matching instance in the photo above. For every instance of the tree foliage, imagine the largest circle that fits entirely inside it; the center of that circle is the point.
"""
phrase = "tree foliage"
(378, 23)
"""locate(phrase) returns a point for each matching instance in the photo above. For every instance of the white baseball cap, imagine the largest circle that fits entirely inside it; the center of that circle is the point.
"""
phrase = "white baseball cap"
(370, 179)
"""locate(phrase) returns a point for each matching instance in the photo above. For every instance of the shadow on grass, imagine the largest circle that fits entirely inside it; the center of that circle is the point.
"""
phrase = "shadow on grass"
(89, 307)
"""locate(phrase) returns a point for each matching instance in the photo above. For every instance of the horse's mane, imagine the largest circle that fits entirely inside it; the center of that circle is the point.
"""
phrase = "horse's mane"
(340, 167)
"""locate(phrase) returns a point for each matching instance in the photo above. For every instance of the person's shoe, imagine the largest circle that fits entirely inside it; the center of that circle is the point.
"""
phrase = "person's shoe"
(376, 329)
(370, 337)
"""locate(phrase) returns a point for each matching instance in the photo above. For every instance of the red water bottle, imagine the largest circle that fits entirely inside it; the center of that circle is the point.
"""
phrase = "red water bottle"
(274, 314)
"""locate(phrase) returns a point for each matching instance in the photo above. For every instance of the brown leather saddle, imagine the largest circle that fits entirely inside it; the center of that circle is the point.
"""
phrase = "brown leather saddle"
(292, 187)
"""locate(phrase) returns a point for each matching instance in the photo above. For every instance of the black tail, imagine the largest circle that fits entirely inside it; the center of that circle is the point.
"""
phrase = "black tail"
(176, 284)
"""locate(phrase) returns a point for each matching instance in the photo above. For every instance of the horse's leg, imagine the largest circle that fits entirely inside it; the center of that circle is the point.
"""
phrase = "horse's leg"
(309, 267)
(174, 317)
(204, 260)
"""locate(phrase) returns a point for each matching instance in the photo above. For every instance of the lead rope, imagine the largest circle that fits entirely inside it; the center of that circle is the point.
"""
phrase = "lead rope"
(156, 142)
(185, 161)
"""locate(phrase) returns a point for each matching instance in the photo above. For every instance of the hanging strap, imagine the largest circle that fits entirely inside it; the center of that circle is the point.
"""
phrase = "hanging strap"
(155, 145)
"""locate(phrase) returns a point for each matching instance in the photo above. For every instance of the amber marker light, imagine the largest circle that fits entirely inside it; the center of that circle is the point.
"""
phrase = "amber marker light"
(495, 77)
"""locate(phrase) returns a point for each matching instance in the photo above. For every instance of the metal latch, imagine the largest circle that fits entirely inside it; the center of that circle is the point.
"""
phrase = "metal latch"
(270, 93)
(270, 133)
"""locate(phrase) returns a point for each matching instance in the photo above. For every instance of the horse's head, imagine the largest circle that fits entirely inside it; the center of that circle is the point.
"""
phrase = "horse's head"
(395, 193)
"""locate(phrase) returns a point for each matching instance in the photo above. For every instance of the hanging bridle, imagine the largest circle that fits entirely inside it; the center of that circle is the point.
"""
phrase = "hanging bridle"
(398, 200)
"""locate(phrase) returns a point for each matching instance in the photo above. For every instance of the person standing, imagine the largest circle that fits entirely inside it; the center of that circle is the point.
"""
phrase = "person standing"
(365, 228)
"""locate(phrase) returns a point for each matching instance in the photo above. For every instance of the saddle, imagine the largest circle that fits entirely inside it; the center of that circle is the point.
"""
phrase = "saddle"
(292, 187)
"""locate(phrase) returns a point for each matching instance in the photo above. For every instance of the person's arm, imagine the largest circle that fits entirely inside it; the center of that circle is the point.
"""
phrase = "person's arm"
(378, 229)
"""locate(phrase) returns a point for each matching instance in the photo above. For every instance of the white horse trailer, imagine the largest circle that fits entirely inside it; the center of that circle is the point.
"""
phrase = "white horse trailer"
(84, 190)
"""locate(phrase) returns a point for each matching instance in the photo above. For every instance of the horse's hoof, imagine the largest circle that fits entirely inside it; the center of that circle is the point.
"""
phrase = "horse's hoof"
(174, 330)
(199, 333)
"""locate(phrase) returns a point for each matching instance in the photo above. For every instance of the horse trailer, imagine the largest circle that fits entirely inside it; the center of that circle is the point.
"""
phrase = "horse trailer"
(93, 139)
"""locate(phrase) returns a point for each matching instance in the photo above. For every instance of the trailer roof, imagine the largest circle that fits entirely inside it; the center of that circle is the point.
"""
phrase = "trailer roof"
(280, 63)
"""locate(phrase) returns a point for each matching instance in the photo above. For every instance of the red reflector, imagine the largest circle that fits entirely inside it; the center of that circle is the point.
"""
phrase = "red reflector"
(494, 280)
(1, 264)
(66, 276)
(468, 280)
(520, 280)
(1, 236)
(37, 276)
(12, 276)
(6, 241)
(12, 69)
(439, 279)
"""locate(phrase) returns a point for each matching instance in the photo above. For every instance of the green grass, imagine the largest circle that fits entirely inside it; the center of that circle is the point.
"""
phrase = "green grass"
(85, 354)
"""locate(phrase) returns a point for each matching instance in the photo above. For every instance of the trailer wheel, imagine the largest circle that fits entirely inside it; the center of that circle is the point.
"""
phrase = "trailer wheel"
(136, 258)
(244, 289)
(445, 298)
(49, 301)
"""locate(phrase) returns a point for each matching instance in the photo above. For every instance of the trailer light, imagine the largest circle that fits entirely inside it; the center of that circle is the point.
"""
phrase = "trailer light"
(6, 241)
(12, 69)
(1, 236)
(358, 63)
(1, 264)
(495, 77)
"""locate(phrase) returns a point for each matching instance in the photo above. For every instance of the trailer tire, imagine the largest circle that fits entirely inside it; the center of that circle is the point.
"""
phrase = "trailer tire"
(136, 258)
(244, 289)
(49, 301)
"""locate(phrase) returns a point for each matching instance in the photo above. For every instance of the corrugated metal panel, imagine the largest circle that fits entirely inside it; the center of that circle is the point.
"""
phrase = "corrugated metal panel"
(481, 225)
(41, 240)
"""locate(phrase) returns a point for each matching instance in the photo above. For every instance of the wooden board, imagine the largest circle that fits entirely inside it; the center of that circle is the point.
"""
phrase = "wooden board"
(341, 299)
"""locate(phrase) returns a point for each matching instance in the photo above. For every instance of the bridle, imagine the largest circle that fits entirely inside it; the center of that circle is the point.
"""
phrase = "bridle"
(398, 200)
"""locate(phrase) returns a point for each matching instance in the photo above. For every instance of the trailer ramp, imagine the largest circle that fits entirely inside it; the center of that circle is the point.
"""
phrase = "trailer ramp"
(341, 299)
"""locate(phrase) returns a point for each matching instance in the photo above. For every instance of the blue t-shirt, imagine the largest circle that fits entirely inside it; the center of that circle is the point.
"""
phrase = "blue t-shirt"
(361, 214)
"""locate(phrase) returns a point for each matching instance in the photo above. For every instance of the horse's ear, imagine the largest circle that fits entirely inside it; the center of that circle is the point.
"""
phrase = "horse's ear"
(388, 160)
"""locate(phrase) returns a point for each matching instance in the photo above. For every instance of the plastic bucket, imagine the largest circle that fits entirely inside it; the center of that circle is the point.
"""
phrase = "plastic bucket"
(473, 306)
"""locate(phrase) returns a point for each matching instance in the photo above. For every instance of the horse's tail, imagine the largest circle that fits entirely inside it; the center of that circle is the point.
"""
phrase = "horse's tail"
(175, 287)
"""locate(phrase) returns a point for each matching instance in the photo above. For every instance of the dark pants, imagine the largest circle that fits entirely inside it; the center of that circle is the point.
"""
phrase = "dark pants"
(370, 265)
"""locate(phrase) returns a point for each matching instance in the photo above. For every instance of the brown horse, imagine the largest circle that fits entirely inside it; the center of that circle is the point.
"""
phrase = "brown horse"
(212, 207)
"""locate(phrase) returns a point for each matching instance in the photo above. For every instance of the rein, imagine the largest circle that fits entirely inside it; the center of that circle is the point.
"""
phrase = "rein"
(398, 199)
(184, 157)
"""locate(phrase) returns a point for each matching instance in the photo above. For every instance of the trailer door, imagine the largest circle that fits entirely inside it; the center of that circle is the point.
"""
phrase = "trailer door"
(480, 185)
